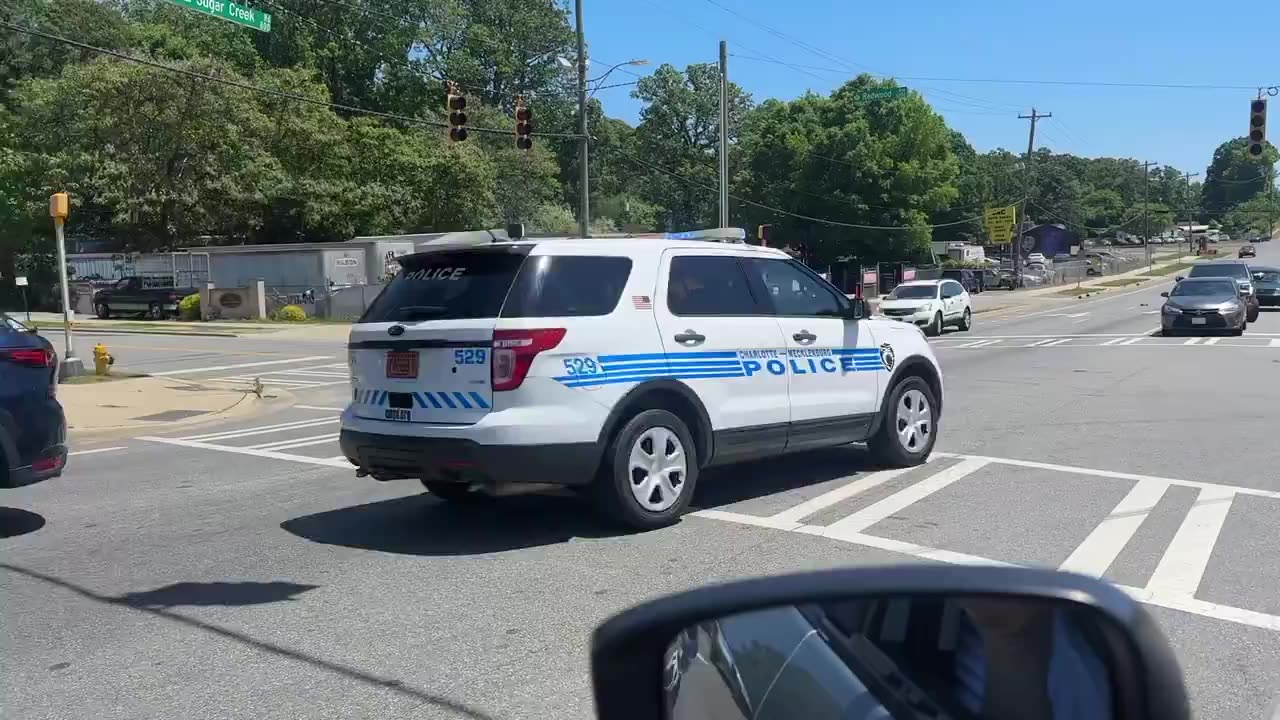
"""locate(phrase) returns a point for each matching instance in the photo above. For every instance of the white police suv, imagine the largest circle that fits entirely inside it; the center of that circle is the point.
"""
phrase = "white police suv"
(623, 367)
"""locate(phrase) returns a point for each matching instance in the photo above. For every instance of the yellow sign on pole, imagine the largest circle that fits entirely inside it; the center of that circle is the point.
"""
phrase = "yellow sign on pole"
(1001, 223)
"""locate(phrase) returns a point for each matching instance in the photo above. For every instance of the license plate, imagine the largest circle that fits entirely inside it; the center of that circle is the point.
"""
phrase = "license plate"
(398, 414)
(1198, 321)
(402, 364)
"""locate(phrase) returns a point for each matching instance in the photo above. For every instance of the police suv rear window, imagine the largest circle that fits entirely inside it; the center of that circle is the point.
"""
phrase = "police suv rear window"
(567, 286)
(447, 286)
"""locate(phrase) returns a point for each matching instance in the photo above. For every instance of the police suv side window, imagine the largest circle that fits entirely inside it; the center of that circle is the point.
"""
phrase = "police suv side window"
(709, 285)
(567, 286)
(794, 290)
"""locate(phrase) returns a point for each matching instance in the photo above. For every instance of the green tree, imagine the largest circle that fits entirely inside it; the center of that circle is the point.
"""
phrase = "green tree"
(1234, 177)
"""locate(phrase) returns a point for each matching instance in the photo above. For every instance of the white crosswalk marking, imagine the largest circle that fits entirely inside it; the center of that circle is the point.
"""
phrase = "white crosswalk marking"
(1104, 544)
(898, 501)
(1187, 556)
(312, 376)
(844, 492)
(295, 442)
(261, 429)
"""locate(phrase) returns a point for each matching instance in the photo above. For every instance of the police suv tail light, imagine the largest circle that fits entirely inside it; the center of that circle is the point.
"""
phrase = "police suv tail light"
(514, 351)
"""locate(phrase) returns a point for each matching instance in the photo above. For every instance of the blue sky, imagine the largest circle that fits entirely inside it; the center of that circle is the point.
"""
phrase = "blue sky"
(1121, 41)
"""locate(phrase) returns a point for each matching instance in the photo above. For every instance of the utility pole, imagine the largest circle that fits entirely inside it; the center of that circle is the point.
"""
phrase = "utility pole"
(1187, 208)
(724, 134)
(1146, 209)
(584, 177)
(59, 207)
(1026, 192)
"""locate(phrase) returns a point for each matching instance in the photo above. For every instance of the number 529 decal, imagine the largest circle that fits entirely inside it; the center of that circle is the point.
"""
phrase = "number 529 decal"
(581, 366)
(470, 356)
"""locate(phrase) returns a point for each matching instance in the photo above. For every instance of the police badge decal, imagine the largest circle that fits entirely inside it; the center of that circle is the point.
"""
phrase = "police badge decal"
(886, 356)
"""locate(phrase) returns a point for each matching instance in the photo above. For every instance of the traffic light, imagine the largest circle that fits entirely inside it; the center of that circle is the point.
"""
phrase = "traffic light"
(524, 126)
(457, 118)
(1257, 126)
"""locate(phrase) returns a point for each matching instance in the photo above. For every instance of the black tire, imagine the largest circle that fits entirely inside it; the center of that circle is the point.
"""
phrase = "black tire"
(934, 328)
(102, 310)
(1166, 333)
(885, 447)
(454, 492)
(966, 320)
(611, 491)
(155, 312)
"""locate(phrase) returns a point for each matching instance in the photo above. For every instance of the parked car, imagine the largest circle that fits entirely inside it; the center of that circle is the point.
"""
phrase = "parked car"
(1035, 257)
(132, 295)
(1248, 251)
(33, 429)
(971, 280)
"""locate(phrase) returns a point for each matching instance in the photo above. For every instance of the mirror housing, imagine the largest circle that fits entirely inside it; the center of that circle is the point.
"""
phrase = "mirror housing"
(857, 309)
(1164, 294)
(1177, 278)
(630, 651)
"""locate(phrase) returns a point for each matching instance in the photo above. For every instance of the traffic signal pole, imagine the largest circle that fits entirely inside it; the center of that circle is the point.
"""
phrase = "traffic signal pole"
(584, 194)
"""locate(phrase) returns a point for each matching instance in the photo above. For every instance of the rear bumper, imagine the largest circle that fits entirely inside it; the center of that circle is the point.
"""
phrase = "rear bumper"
(36, 450)
(51, 462)
(392, 457)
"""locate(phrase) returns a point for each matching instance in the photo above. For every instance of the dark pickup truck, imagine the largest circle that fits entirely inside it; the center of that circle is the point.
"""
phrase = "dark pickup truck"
(134, 295)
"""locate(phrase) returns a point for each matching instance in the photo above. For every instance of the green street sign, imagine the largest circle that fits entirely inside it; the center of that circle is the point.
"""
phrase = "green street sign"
(231, 12)
(880, 94)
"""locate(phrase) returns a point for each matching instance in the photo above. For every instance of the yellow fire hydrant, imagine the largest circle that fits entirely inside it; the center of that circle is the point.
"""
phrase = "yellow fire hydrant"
(102, 360)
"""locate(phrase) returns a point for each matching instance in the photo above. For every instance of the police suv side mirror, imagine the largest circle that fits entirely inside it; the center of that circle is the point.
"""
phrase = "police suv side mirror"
(857, 309)
(1164, 294)
(894, 642)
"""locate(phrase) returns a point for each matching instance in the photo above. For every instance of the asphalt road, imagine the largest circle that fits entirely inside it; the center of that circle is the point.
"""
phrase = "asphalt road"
(242, 570)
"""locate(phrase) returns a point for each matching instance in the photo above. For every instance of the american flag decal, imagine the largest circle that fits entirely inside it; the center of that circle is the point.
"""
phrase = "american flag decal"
(642, 302)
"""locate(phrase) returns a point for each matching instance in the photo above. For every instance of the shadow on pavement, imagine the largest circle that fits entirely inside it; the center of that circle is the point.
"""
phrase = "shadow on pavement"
(734, 483)
(394, 686)
(422, 525)
(15, 522)
(215, 593)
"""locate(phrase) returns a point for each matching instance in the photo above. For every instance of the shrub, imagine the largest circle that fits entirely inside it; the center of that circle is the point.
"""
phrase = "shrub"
(189, 307)
(291, 313)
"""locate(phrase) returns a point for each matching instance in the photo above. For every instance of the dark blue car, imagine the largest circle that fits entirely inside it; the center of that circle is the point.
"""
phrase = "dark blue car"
(33, 430)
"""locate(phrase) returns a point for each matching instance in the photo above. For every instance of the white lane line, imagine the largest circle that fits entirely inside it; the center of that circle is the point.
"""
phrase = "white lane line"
(319, 407)
(1054, 343)
(825, 500)
(1038, 343)
(1275, 342)
(1103, 545)
(1183, 603)
(188, 371)
(269, 379)
(271, 454)
(97, 450)
(974, 343)
(1192, 341)
(1111, 342)
(261, 429)
(311, 373)
(1115, 475)
(1179, 572)
(1131, 341)
(987, 343)
(298, 442)
(343, 458)
(899, 501)
(1212, 340)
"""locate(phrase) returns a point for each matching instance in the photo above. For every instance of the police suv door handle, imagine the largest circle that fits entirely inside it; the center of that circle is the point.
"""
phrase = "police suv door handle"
(689, 337)
(804, 336)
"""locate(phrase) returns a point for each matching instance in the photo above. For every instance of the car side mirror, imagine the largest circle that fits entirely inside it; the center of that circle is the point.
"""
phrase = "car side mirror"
(1178, 279)
(857, 309)
(895, 642)
(1164, 294)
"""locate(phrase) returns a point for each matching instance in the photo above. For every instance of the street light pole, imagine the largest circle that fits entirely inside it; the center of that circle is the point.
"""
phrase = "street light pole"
(584, 177)
(1146, 209)
(1187, 209)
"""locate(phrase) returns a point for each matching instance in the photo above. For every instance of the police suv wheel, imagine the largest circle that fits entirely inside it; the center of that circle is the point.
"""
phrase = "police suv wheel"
(649, 471)
(908, 429)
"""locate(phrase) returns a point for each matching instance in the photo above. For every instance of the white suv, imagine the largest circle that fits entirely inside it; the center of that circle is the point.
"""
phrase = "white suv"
(623, 367)
(932, 304)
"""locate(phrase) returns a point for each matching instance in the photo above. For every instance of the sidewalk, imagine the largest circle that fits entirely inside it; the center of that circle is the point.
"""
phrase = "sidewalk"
(156, 404)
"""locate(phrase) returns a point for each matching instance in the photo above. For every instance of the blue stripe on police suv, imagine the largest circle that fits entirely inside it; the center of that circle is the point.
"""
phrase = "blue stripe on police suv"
(721, 364)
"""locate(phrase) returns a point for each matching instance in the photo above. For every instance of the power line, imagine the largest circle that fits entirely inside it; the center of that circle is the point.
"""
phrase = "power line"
(265, 91)
(1022, 81)
(780, 211)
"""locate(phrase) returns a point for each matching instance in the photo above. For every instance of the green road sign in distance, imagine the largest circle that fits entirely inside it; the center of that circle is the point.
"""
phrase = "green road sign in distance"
(231, 12)
(881, 94)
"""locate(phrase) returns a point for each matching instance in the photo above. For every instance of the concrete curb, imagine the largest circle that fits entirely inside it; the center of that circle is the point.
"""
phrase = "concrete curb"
(159, 331)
